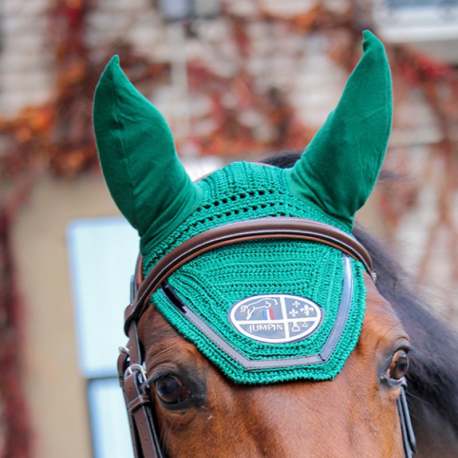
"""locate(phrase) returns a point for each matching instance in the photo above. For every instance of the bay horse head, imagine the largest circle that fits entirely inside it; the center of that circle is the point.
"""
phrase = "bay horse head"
(320, 371)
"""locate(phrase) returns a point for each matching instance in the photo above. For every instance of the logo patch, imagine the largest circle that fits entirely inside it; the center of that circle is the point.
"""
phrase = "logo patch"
(276, 318)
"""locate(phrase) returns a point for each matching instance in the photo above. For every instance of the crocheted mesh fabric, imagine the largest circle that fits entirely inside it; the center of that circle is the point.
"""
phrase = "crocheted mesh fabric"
(240, 191)
(213, 282)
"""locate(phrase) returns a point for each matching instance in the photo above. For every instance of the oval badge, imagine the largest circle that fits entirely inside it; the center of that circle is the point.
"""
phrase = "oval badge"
(276, 318)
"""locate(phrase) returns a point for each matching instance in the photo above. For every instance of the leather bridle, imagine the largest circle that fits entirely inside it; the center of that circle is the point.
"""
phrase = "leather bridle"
(131, 370)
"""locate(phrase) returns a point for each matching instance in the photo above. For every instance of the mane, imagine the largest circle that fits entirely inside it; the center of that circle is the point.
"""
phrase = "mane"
(433, 372)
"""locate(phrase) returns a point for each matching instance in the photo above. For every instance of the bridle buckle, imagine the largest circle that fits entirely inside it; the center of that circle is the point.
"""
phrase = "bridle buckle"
(141, 371)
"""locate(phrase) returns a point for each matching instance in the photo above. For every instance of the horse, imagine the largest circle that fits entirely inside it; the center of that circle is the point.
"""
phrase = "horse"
(252, 421)
(196, 387)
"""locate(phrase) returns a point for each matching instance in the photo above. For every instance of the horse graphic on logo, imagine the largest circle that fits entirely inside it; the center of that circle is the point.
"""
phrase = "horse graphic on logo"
(253, 306)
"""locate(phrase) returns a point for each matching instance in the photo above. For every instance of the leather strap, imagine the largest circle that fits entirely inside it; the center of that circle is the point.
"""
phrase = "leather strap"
(262, 228)
(408, 435)
(141, 421)
(139, 404)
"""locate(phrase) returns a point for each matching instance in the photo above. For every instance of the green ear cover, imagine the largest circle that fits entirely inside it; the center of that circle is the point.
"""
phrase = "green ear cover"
(339, 168)
(139, 162)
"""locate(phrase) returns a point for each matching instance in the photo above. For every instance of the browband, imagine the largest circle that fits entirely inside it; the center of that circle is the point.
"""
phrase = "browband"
(241, 231)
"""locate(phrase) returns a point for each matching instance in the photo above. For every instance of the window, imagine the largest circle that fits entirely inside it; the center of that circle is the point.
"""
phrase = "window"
(102, 252)
(408, 21)
(398, 4)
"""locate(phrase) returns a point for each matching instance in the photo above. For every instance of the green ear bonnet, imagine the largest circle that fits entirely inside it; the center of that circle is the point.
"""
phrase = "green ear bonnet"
(272, 299)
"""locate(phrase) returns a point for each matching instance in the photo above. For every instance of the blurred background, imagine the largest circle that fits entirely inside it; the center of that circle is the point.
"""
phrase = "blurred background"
(236, 79)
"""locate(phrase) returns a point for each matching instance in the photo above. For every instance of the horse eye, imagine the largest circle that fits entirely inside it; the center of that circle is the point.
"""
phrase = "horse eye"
(171, 390)
(398, 367)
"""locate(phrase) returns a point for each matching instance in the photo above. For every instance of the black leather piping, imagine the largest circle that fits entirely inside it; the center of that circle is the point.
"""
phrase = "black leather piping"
(261, 364)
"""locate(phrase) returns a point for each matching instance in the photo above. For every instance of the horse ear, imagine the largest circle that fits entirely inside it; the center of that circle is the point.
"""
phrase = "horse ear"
(139, 162)
(339, 168)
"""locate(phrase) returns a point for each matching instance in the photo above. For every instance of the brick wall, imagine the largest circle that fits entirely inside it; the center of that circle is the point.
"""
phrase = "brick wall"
(27, 67)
